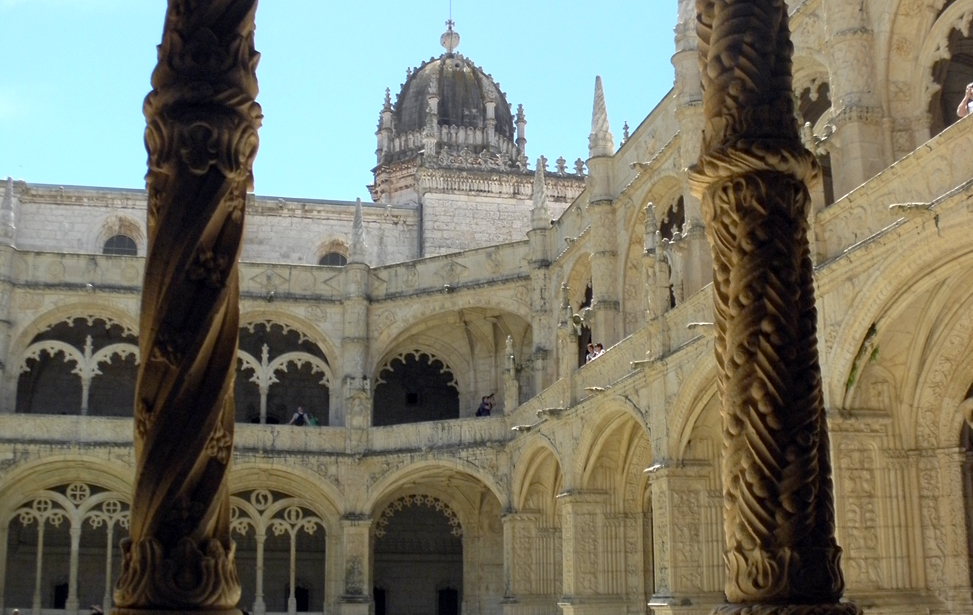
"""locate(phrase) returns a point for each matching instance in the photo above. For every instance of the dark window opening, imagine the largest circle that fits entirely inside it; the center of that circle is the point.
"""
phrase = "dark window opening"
(333, 259)
(448, 602)
(673, 220)
(379, 595)
(585, 338)
(120, 245)
(303, 597)
(812, 105)
(60, 596)
(966, 445)
(412, 389)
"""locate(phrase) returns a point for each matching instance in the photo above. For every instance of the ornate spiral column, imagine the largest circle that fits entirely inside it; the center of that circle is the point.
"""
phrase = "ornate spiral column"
(201, 138)
(781, 554)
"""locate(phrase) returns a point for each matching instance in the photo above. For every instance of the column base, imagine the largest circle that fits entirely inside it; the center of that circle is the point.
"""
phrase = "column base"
(354, 605)
(841, 608)
(593, 605)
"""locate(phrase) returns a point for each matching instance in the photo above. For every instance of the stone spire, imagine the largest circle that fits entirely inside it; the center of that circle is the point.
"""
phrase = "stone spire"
(600, 141)
(356, 253)
(521, 131)
(8, 216)
(540, 215)
(384, 132)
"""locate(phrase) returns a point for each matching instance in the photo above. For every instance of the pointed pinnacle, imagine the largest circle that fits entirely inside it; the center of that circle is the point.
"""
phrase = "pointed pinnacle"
(600, 141)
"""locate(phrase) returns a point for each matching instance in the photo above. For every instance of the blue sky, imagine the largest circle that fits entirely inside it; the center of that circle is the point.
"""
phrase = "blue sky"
(73, 74)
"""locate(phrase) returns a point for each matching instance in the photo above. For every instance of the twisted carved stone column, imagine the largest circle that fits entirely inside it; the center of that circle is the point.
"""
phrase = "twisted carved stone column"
(781, 554)
(201, 137)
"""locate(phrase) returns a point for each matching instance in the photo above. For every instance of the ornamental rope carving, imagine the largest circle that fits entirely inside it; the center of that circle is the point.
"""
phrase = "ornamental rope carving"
(781, 554)
(201, 139)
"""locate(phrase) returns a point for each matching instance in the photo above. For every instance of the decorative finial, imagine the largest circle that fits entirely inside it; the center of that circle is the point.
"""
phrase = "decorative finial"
(388, 99)
(450, 38)
(624, 132)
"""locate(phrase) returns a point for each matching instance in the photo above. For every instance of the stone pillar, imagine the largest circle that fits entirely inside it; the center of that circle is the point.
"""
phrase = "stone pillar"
(781, 554)
(71, 604)
(519, 565)
(858, 144)
(539, 262)
(38, 567)
(905, 521)
(586, 590)
(511, 386)
(8, 235)
(529, 566)
(356, 594)
(4, 530)
(354, 343)
(858, 436)
(942, 511)
(201, 137)
(686, 541)
(693, 252)
(605, 300)
(259, 605)
(567, 347)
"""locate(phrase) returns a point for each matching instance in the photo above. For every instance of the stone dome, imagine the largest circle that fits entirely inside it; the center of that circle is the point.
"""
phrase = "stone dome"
(463, 90)
(450, 113)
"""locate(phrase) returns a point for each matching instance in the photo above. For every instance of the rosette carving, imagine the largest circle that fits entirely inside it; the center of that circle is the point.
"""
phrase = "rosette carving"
(781, 554)
(201, 137)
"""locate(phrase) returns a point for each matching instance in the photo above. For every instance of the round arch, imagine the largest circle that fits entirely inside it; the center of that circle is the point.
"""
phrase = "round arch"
(88, 309)
(303, 326)
(528, 463)
(116, 224)
(394, 328)
(19, 484)
(885, 292)
(385, 489)
(321, 495)
(609, 415)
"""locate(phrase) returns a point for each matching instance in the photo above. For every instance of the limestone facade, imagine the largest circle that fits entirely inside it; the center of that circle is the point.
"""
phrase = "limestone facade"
(590, 489)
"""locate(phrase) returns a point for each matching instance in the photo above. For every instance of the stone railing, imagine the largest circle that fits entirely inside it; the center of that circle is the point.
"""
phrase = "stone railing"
(77, 271)
(41, 429)
(933, 169)
(688, 323)
(458, 270)
(431, 435)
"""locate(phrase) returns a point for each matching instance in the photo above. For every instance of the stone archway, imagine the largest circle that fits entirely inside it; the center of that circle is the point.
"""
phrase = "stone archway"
(419, 556)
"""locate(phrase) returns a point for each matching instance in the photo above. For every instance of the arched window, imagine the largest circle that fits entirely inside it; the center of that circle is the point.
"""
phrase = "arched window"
(333, 259)
(120, 245)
